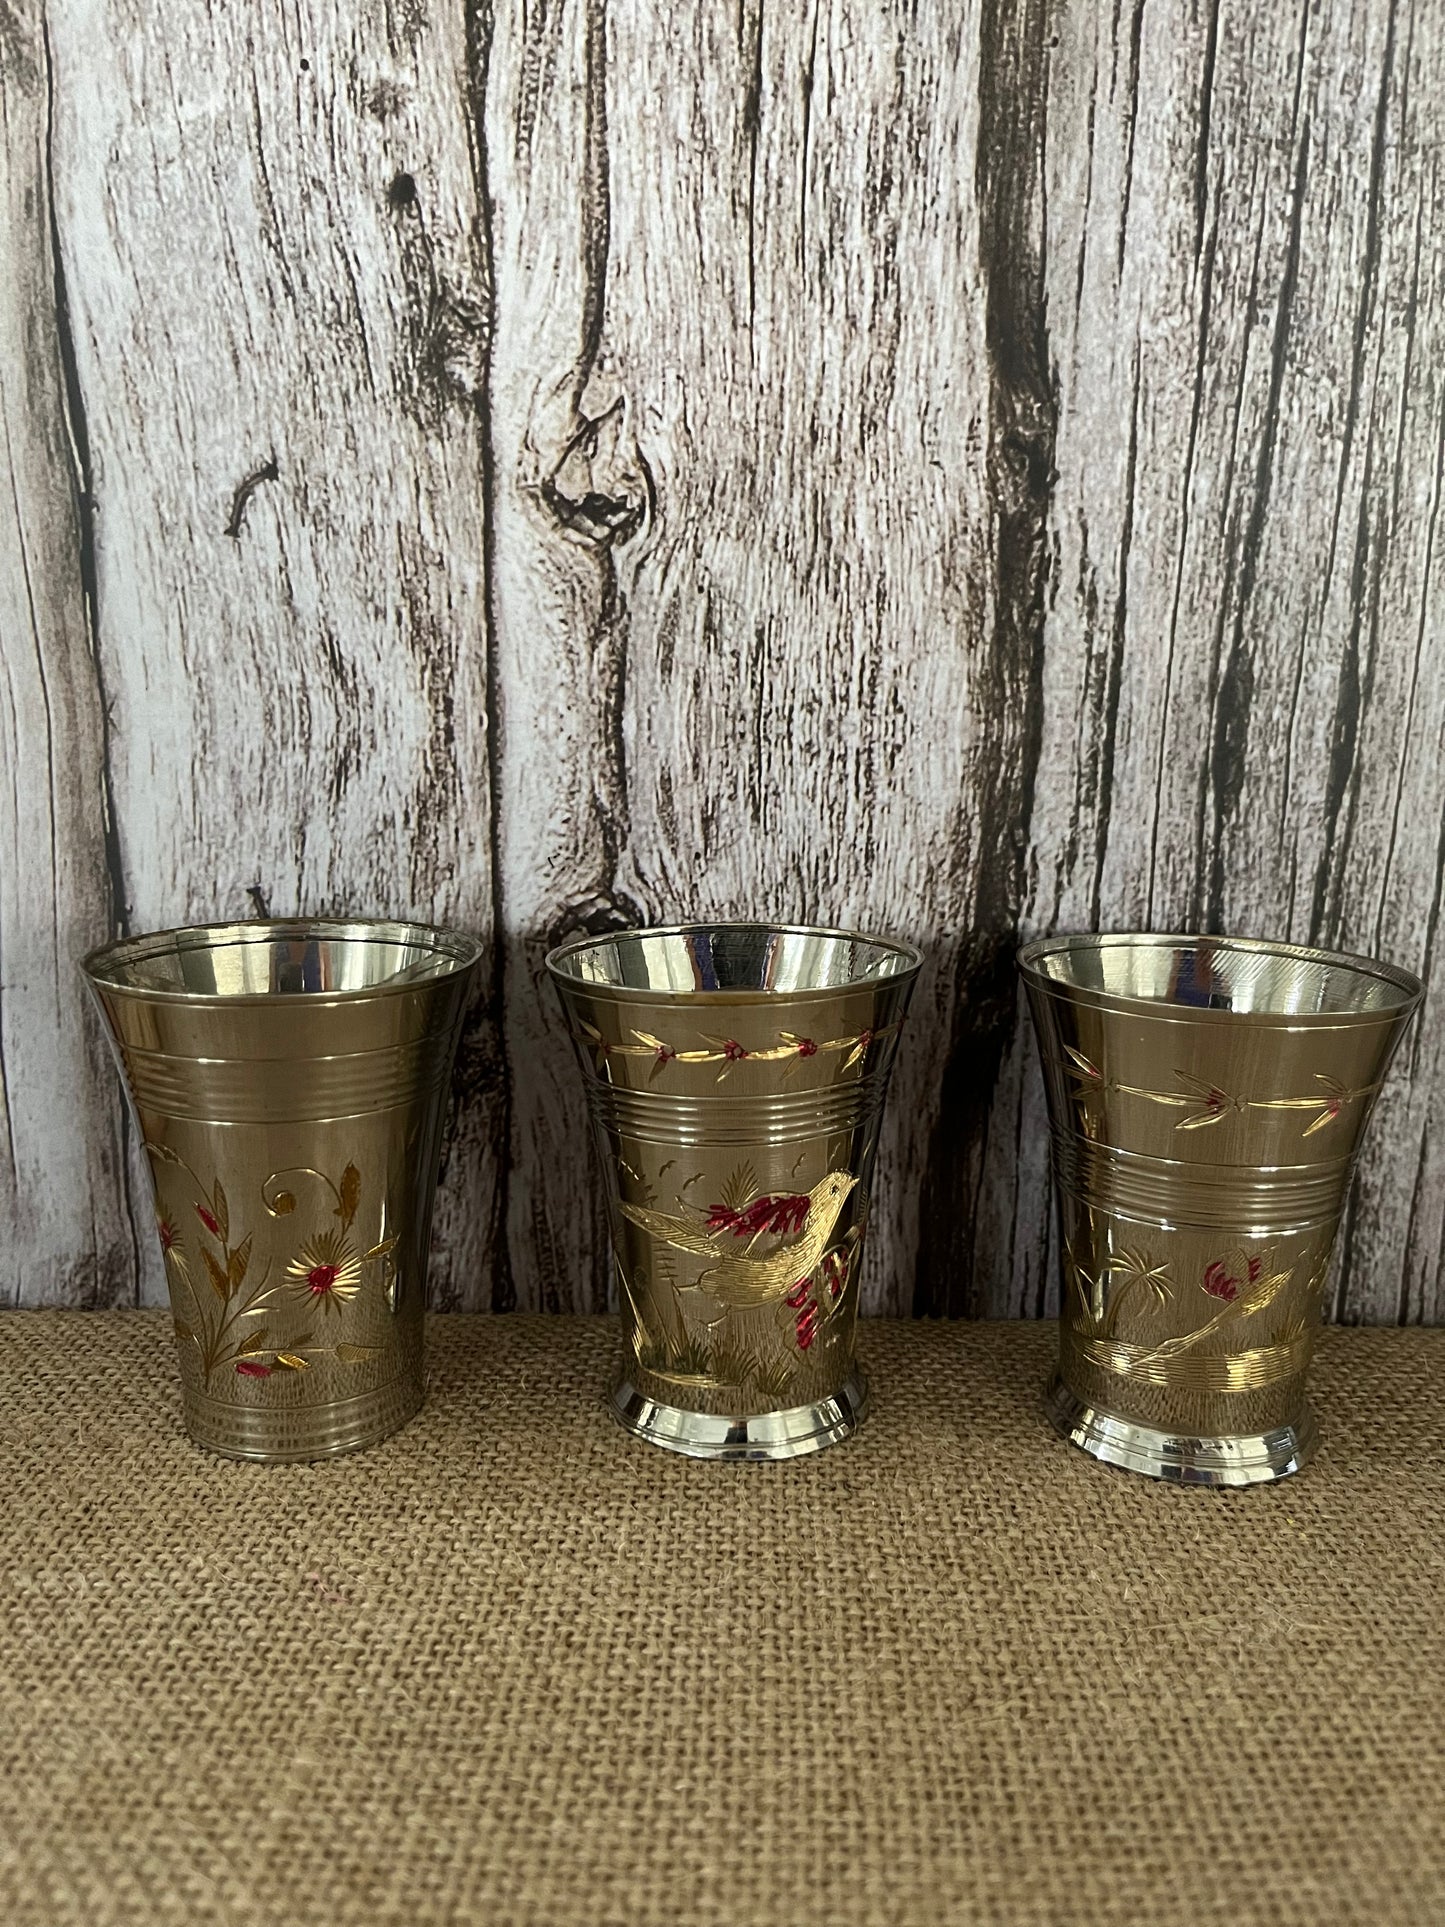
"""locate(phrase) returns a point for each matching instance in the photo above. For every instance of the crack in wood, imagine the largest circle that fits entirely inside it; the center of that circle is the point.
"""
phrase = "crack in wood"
(245, 489)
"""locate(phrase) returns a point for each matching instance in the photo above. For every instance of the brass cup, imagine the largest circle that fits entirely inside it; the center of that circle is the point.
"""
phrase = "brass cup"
(1208, 1096)
(289, 1079)
(736, 1074)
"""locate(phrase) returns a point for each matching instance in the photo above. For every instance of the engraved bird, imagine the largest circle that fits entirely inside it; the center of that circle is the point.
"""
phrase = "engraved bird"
(741, 1282)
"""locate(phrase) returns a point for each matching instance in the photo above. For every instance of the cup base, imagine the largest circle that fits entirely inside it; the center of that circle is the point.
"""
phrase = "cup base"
(1258, 1458)
(789, 1434)
(297, 1435)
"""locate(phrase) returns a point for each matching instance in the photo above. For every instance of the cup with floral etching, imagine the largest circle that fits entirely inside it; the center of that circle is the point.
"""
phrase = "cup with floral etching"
(289, 1081)
(1208, 1096)
(736, 1074)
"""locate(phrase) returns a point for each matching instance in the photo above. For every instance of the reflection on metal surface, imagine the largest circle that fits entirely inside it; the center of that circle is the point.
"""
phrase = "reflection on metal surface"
(1207, 1098)
(262, 1059)
(736, 1073)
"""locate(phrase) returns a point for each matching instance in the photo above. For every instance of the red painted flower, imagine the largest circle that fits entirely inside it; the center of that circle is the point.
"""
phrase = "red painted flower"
(733, 1051)
(168, 1233)
(664, 1054)
(248, 1368)
(326, 1269)
(207, 1218)
(1219, 1283)
(865, 1038)
(798, 1296)
(1222, 1283)
(806, 1047)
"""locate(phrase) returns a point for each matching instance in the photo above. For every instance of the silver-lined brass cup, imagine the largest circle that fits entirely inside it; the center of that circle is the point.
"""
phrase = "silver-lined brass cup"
(290, 1079)
(736, 1074)
(1208, 1097)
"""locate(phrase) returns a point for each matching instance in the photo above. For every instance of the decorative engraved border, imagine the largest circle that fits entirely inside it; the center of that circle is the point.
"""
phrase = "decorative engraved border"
(728, 1052)
(1209, 1104)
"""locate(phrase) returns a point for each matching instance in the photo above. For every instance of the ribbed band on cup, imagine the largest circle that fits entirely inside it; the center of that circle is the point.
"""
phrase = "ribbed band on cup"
(1225, 1197)
(227, 1090)
(654, 1117)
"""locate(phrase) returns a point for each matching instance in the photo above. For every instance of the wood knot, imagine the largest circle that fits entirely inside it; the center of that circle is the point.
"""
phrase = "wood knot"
(591, 476)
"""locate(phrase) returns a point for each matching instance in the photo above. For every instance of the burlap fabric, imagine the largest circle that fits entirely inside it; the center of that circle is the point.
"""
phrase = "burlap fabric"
(513, 1667)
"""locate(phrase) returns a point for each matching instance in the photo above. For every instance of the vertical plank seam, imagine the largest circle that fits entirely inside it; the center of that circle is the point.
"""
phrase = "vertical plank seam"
(82, 488)
(1343, 777)
(478, 26)
(1010, 182)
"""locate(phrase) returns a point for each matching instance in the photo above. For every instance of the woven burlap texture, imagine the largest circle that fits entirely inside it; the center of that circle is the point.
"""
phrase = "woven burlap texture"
(513, 1666)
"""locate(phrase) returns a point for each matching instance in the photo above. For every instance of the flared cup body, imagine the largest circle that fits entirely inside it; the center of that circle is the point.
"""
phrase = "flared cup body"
(289, 1082)
(1207, 1098)
(736, 1075)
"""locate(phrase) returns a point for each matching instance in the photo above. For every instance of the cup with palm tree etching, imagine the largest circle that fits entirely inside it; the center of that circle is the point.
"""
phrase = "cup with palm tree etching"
(737, 1074)
(1208, 1096)
(289, 1080)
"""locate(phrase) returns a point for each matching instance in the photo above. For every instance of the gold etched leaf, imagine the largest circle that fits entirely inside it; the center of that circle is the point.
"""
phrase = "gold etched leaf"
(350, 1195)
(220, 1283)
(222, 1211)
(741, 1187)
(253, 1342)
(164, 1153)
(292, 1362)
(357, 1354)
(283, 1204)
(379, 1251)
(240, 1258)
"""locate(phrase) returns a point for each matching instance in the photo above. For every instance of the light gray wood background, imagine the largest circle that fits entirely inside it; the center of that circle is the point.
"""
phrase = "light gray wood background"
(971, 469)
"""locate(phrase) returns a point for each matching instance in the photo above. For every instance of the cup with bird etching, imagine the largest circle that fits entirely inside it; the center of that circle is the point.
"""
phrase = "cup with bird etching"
(736, 1074)
(1208, 1096)
(289, 1080)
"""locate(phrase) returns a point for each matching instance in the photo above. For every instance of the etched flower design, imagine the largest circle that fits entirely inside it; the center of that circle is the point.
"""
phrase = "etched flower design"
(1085, 1074)
(208, 1219)
(862, 1044)
(1329, 1104)
(1214, 1104)
(326, 1270)
(662, 1053)
(1222, 1283)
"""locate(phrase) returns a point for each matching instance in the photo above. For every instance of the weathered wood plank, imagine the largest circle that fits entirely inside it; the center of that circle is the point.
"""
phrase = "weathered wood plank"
(567, 487)
(964, 472)
(66, 1234)
(271, 230)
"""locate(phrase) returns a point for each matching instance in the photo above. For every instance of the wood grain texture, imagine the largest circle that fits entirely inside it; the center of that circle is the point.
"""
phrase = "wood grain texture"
(67, 1236)
(969, 470)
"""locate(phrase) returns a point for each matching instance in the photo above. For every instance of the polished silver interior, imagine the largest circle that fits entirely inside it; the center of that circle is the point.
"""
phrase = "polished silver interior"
(733, 956)
(1217, 973)
(282, 959)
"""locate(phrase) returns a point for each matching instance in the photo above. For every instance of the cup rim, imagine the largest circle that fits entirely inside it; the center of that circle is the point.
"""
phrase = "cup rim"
(637, 993)
(460, 951)
(1031, 954)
